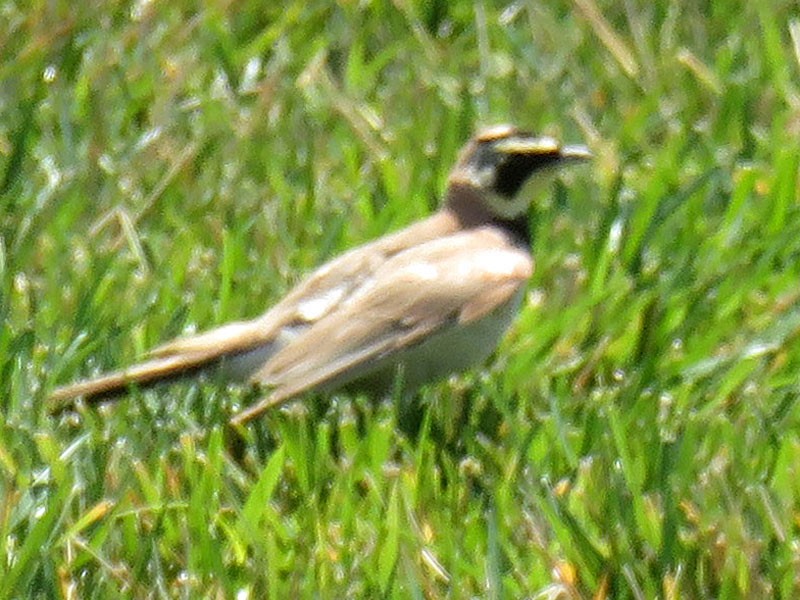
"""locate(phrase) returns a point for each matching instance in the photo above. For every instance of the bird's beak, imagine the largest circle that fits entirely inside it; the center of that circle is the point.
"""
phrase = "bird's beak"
(575, 153)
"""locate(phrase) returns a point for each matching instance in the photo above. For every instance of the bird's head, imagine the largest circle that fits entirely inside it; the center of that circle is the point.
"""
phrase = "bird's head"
(500, 160)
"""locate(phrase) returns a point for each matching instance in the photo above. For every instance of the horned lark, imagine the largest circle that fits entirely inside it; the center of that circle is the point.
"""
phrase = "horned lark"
(432, 299)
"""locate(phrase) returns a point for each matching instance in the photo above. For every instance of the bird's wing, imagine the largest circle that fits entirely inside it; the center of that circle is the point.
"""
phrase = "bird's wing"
(321, 294)
(452, 280)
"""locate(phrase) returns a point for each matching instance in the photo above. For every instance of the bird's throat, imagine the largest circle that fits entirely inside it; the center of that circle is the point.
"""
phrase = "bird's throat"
(473, 209)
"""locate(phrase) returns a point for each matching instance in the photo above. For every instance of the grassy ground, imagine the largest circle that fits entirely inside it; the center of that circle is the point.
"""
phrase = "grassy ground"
(165, 167)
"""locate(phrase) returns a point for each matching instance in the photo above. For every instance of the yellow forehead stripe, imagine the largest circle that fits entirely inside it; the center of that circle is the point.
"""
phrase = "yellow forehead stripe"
(515, 145)
(510, 140)
(496, 132)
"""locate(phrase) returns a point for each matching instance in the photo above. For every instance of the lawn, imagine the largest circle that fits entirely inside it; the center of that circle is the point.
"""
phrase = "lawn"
(166, 167)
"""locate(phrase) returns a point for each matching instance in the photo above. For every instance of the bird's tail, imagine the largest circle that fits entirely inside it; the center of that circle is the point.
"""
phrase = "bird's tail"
(141, 376)
(239, 348)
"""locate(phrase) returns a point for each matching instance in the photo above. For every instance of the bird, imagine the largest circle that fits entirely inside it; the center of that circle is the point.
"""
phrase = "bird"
(414, 306)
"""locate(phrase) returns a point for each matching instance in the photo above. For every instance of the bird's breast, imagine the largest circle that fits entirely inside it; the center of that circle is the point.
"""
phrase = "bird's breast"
(453, 349)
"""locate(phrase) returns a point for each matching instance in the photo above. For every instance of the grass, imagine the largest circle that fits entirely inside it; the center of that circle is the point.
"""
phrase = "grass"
(165, 167)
